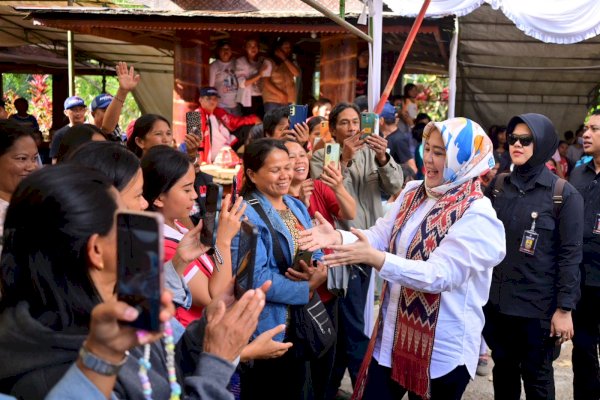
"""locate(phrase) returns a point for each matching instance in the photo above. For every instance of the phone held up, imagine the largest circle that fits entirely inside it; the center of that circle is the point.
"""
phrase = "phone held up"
(332, 154)
(234, 190)
(140, 265)
(298, 114)
(244, 265)
(193, 124)
(369, 124)
(208, 233)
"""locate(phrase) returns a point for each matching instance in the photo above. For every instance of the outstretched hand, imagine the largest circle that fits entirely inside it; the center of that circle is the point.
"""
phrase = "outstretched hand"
(264, 347)
(229, 329)
(359, 252)
(322, 235)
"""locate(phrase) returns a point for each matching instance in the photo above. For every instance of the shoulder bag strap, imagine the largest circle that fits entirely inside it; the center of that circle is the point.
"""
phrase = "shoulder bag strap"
(277, 252)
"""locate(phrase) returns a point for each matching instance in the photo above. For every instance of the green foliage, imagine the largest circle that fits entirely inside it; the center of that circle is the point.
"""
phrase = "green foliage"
(433, 94)
(37, 89)
(89, 86)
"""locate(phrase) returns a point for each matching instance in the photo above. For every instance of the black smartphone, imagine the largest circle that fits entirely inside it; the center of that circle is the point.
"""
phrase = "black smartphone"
(208, 234)
(246, 258)
(302, 255)
(193, 124)
(234, 189)
(298, 114)
(140, 252)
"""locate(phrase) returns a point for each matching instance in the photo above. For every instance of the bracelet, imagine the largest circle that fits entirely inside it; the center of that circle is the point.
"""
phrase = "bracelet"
(119, 99)
(218, 255)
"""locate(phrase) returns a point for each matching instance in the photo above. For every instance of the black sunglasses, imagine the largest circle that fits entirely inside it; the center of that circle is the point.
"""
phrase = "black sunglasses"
(524, 140)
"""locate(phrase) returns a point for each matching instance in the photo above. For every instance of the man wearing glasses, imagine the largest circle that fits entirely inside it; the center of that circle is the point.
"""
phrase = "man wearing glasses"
(586, 319)
(536, 286)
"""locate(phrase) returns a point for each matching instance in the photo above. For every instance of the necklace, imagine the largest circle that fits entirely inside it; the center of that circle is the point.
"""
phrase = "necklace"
(145, 366)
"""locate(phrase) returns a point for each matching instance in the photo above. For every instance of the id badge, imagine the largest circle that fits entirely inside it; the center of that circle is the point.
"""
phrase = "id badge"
(529, 242)
(596, 230)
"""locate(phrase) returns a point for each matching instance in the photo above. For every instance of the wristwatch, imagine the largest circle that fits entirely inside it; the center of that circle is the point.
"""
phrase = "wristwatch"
(566, 309)
(96, 364)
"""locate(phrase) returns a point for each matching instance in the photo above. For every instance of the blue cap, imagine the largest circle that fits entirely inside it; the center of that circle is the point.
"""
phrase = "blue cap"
(74, 101)
(388, 112)
(101, 101)
(209, 91)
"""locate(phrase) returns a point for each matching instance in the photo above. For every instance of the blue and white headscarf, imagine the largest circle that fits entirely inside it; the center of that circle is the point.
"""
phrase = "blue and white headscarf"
(469, 152)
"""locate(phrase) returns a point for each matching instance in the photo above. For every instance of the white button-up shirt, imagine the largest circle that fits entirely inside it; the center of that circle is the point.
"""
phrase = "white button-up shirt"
(460, 268)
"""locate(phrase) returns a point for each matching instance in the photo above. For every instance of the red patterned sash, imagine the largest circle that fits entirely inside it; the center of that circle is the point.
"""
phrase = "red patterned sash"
(418, 311)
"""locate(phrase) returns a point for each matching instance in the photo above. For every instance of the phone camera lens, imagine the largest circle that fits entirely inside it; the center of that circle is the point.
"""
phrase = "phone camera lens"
(328, 150)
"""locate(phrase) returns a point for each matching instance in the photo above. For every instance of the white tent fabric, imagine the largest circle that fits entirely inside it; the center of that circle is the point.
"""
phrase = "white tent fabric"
(551, 21)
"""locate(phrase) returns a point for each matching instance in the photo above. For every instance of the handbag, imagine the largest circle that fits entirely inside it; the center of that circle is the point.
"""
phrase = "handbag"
(312, 333)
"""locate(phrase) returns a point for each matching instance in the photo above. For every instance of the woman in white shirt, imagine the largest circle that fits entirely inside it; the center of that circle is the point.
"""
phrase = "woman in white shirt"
(435, 249)
(249, 70)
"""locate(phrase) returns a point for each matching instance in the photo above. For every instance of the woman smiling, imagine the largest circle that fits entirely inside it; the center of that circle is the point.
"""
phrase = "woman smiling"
(435, 249)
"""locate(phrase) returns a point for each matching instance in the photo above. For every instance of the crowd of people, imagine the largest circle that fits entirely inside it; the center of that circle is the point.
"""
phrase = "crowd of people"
(478, 237)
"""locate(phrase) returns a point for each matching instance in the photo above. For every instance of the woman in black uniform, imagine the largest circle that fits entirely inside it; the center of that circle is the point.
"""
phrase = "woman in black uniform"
(537, 285)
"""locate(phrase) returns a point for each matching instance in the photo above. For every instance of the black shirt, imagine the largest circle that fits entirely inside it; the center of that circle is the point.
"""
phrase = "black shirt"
(533, 286)
(587, 182)
(399, 145)
(56, 139)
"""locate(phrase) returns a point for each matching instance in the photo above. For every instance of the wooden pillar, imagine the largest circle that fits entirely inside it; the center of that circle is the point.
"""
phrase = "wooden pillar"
(60, 92)
(338, 67)
(190, 71)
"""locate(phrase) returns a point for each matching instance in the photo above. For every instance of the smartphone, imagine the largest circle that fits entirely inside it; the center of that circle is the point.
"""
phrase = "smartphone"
(193, 124)
(246, 258)
(140, 254)
(298, 114)
(324, 129)
(234, 188)
(302, 255)
(369, 124)
(332, 154)
(208, 233)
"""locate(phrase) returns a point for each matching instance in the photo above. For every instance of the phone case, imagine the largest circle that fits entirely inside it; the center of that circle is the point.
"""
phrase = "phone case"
(324, 129)
(298, 114)
(369, 124)
(193, 123)
(246, 258)
(208, 234)
(332, 154)
(301, 255)
(140, 255)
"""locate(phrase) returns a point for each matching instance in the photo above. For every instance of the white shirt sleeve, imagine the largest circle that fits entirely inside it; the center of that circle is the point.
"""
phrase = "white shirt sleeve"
(474, 243)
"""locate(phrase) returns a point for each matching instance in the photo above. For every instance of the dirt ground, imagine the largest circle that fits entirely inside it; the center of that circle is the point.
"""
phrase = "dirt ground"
(482, 387)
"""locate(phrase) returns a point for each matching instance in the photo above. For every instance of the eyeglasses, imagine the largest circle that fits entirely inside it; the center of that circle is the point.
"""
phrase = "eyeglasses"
(524, 140)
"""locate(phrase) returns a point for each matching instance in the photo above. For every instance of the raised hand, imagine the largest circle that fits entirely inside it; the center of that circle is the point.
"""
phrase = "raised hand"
(230, 219)
(332, 177)
(128, 79)
(352, 145)
(300, 133)
(322, 235)
(379, 145)
(306, 190)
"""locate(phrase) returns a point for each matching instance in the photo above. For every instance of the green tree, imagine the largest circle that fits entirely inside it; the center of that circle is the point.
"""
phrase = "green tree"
(433, 94)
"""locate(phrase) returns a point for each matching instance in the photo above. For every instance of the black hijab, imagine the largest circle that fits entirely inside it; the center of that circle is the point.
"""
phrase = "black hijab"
(545, 141)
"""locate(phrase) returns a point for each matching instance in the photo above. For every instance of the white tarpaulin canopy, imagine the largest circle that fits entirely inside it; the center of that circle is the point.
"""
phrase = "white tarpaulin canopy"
(518, 56)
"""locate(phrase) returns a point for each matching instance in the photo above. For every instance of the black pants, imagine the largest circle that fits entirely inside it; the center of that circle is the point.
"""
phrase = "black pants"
(380, 385)
(286, 377)
(521, 348)
(256, 107)
(586, 320)
(321, 368)
(351, 340)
